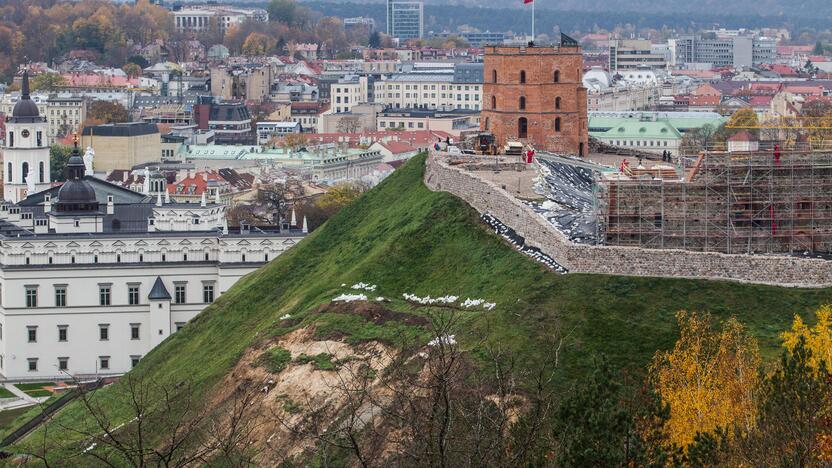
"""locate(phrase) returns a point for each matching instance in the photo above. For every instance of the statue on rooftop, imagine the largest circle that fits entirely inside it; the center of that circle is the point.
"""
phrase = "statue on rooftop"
(89, 154)
(30, 181)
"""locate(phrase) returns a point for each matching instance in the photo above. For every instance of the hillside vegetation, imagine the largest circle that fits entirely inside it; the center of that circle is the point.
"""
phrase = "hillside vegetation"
(404, 238)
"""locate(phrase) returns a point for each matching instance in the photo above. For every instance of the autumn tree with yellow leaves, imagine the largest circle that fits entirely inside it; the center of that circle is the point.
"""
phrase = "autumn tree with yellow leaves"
(818, 338)
(708, 378)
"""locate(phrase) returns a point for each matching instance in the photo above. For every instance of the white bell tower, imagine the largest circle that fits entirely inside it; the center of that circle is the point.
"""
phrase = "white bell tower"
(26, 154)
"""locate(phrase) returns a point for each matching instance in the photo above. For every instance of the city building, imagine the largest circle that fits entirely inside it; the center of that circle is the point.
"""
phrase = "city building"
(477, 39)
(455, 87)
(246, 83)
(452, 122)
(94, 276)
(64, 115)
(229, 120)
(358, 22)
(737, 51)
(204, 17)
(349, 91)
(323, 162)
(405, 19)
(26, 150)
(268, 130)
(122, 145)
(632, 54)
(535, 94)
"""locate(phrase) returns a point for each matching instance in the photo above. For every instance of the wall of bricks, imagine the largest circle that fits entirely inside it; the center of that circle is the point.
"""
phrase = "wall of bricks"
(487, 197)
(503, 89)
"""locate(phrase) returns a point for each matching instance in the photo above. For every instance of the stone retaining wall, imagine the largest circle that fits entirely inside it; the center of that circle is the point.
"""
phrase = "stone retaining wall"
(487, 197)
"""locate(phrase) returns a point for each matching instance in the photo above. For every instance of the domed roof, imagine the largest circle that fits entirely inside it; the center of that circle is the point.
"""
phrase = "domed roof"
(76, 191)
(76, 194)
(25, 107)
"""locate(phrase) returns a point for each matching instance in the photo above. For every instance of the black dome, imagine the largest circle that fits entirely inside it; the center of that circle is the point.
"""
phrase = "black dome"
(76, 194)
(25, 108)
(76, 191)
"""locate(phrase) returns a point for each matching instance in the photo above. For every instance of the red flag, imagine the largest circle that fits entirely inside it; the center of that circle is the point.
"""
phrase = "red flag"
(526, 2)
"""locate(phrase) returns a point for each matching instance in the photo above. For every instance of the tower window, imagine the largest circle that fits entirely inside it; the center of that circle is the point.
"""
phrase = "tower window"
(11, 139)
(557, 124)
(557, 76)
(494, 76)
(557, 102)
(9, 171)
(494, 102)
(522, 76)
(522, 102)
(25, 171)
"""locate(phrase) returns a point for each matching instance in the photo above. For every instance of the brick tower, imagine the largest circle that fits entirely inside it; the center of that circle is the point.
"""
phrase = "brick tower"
(536, 94)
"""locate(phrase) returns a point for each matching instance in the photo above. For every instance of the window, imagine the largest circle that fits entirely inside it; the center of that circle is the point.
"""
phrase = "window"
(179, 294)
(557, 102)
(11, 139)
(31, 296)
(63, 363)
(32, 334)
(557, 76)
(522, 76)
(104, 332)
(41, 166)
(9, 172)
(134, 361)
(134, 331)
(33, 364)
(133, 294)
(63, 331)
(104, 295)
(522, 128)
(494, 102)
(208, 293)
(557, 124)
(104, 362)
(179, 325)
(522, 102)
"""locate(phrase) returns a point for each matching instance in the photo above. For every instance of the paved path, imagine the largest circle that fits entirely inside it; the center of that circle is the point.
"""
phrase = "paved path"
(21, 394)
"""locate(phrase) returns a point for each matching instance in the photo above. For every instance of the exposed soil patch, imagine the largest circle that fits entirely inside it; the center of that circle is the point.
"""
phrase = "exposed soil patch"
(373, 312)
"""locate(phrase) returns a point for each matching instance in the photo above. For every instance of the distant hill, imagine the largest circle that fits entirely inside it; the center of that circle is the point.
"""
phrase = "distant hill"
(406, 239)
(573, 15)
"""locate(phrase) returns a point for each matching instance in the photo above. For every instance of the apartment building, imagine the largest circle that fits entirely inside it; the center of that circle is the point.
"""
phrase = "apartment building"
(457, 88)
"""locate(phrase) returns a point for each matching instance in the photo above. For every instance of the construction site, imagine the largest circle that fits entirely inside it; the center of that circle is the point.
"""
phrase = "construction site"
(731, 202)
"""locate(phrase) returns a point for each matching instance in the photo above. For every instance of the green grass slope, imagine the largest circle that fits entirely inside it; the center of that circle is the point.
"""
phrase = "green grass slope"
(405, 238)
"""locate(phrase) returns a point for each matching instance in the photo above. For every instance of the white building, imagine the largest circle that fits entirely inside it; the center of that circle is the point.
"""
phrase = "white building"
(348, 92)
(26, 154)
(64, 115)
(93, 276)
(267, 130)
(201, 18)
(459, 87)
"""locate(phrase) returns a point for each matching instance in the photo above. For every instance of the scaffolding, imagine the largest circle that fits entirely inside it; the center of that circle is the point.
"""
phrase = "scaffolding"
(758, 202)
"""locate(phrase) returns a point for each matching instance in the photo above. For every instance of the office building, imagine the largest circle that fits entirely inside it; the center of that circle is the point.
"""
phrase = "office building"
(405, 20)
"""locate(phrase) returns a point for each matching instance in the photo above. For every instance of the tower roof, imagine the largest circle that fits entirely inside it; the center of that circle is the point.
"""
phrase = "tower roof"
(159, 292)
(76, 194)
(25, 107)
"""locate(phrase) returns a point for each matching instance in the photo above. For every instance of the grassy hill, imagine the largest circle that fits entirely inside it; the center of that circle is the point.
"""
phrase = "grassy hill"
(407, 239)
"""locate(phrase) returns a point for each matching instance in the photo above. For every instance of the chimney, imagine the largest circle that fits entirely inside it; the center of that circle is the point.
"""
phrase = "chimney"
(47, 203)
(110, 205)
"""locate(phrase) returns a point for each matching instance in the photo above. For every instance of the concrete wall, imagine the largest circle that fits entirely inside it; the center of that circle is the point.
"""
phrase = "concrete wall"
(487, 197)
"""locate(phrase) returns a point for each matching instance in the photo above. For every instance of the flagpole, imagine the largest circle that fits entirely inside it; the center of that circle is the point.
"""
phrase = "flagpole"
(533, 2)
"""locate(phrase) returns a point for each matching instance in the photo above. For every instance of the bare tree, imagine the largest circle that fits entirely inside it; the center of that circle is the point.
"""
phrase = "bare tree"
(349, 125)
(160, 425)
